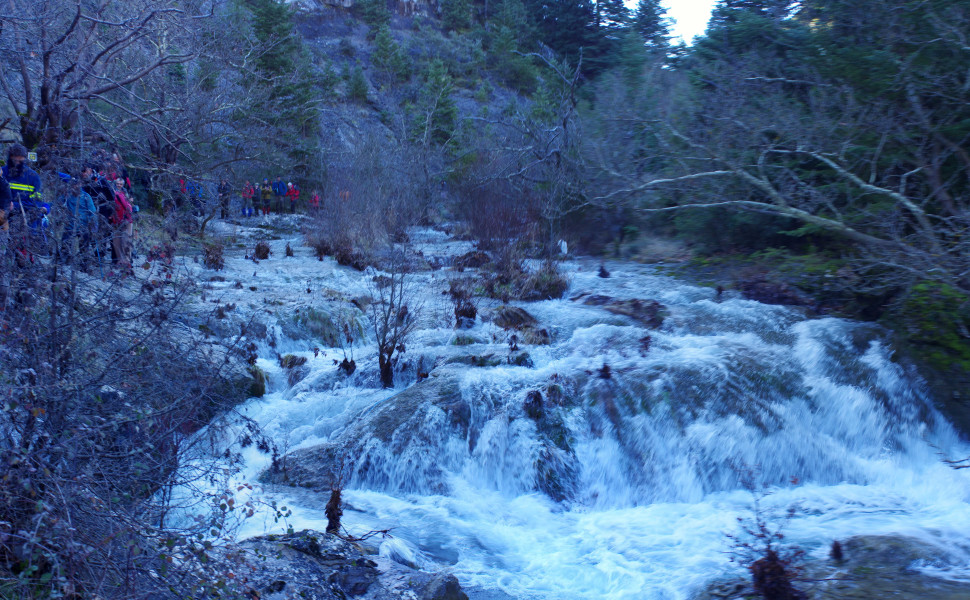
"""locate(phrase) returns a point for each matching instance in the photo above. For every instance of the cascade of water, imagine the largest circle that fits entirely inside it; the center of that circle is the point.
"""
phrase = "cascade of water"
(621, 482)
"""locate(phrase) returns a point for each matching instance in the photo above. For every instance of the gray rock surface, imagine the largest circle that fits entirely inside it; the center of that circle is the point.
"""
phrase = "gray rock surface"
(310, 565)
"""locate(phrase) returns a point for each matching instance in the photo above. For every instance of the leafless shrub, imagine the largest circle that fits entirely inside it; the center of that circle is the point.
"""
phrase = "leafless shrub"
(393, 316)
(369, 205)
(761, 548)
(102, 398)
(212, 256)
(461, 293)
(262, 250)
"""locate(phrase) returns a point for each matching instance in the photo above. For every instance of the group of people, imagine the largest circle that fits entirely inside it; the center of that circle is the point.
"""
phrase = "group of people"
(275, 196)
(92, 217)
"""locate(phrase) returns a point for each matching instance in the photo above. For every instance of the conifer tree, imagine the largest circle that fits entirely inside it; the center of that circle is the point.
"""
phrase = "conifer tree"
(456, 14)
(286, 76)
(651, 22)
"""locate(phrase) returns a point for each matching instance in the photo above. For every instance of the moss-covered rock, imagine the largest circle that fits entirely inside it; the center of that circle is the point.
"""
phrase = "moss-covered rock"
(513, 317)
(257, 388)
(307, 323)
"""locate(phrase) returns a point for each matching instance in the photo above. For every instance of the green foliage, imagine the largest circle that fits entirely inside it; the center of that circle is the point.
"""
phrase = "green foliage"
(285, 79)
(936, 318)
(373, 12)
(721, 230)
(651, 22)
(516, 70)
(357, 85)
(456, 14)
(437, 116)
(328, 80)
(388, 56)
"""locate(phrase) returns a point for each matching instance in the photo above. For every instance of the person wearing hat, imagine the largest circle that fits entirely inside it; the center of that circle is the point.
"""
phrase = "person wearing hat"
(25, 195)
(293, 195)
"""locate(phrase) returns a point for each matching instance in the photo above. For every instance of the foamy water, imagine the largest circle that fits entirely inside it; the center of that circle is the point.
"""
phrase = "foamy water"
(652, 456)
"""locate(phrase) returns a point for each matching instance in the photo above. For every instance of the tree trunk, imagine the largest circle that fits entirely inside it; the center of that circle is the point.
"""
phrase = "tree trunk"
(387, 370)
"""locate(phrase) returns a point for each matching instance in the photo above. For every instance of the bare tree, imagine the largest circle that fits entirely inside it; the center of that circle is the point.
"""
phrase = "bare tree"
(885, 175)
(394, 313)
(64, 55)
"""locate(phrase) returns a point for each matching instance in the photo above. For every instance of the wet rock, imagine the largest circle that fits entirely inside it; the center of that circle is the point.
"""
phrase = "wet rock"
(368, 449)
(649, 312)
(877, 566)
(513, 317)
(471, 260)
(317, 566)
(522, 359)
(773, 292)
(481, 360)
(291, 361)
(443, 586)
(533, 405)
(307, 323)
(255, 330)
(295, 376)
(536, 336)
(603, 272)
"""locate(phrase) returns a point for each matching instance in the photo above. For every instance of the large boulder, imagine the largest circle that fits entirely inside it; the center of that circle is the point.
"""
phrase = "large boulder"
(412, 423)
(648, 312)
(513, 317)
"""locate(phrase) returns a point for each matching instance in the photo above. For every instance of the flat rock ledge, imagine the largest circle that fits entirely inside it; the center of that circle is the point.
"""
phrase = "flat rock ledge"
(310, 565)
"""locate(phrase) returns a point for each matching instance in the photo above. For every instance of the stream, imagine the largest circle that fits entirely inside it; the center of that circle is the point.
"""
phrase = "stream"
(626, 485)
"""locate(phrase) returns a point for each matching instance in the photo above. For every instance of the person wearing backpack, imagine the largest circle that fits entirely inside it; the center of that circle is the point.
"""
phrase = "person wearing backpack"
(225, 191)
(81, 219)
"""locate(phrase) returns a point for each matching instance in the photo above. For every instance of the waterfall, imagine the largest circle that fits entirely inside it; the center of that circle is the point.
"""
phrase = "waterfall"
(620, 474)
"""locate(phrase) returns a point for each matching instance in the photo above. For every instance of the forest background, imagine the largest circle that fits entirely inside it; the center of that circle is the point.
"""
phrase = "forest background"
(812, 152)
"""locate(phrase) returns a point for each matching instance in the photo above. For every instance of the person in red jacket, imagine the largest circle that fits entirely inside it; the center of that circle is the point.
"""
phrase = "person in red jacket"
(293, 195)
(248, 192)
(123, 222)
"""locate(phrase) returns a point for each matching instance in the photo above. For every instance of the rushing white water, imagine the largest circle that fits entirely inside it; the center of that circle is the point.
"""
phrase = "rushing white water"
(646, 464)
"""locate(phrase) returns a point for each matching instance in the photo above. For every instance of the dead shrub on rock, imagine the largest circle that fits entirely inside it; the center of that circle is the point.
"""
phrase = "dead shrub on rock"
(760, 545)
(262, 250)
(212, 256)
(460, 291)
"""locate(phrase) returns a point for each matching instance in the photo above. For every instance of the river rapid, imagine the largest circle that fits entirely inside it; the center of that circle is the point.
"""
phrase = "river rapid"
(649, 463)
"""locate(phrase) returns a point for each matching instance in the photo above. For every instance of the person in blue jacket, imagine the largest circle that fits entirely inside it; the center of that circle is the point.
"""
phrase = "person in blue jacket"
(25, 188)
(279, 191)
(81, 220)
(26, 201)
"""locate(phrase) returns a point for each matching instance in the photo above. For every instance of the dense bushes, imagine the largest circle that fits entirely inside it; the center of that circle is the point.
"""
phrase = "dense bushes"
(103, 392)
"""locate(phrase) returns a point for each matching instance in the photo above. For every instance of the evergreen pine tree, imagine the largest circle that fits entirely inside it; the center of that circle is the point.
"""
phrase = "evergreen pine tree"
(651, 22)
(357, 85)
(456, 14)
(438, 115)
(285, 78)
